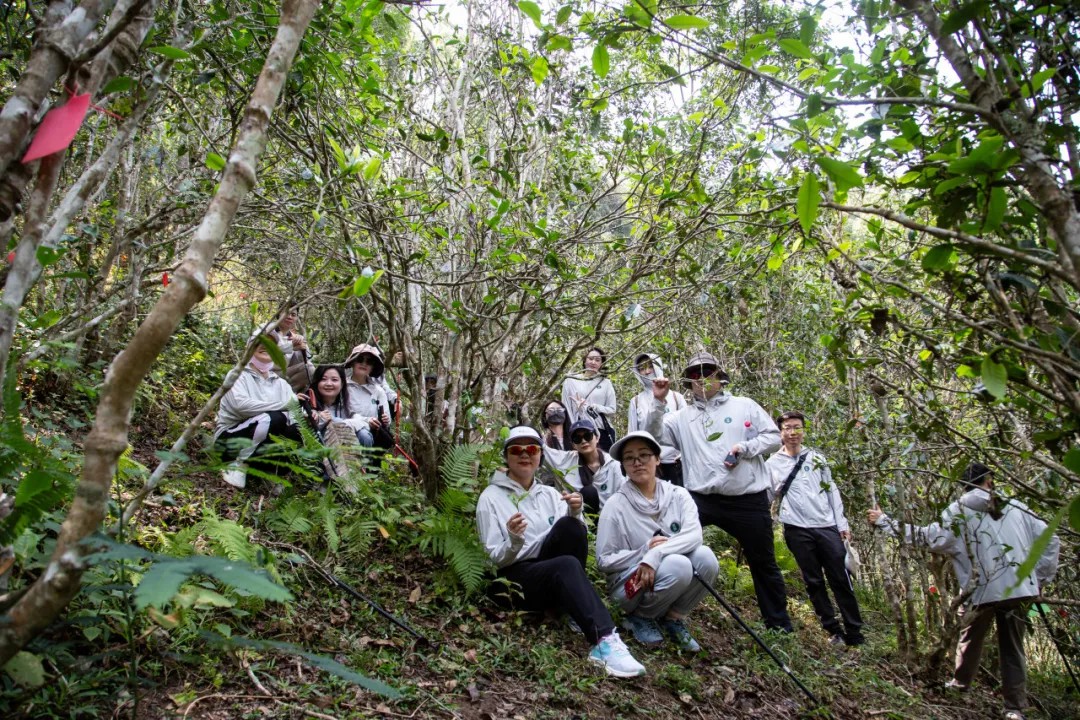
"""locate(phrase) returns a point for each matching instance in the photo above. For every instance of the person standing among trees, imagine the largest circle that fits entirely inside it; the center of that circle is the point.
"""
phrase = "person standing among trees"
(812, 514)
(591, 395)
(649, 544)
(987, 538)
(723, 439)
(537, 539)
(298, 368)
(648, 368)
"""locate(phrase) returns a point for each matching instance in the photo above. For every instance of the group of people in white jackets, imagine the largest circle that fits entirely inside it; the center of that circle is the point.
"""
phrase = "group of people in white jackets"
(713, 458)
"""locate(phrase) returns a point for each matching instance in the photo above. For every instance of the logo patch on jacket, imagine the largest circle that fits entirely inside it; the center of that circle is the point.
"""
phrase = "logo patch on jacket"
(675, 527)
(551, 520)
(727, 420)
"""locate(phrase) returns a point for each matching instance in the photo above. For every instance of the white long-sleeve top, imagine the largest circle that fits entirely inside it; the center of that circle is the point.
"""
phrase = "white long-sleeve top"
(623, 533)
(607, 479)
(986, 553)
(813, 499)
(598, 393)
(252, 395)
(541, 505)
(365, 402)
(705, 432)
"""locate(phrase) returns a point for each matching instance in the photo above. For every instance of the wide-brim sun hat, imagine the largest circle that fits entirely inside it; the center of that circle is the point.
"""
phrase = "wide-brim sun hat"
(643, 435)
(364, 349)
(522, 431)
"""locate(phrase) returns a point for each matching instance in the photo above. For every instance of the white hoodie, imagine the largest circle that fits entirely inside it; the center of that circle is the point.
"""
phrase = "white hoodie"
(567, 463)
(541, 505)
(365, 402)
(705, 433)
(637, 416)
(624, 531)
(986, 552)
(252, 395)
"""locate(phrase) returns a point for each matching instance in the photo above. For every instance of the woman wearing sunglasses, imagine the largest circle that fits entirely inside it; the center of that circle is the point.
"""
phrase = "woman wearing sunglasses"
(537, 539)
(649, 545)
(587, 468)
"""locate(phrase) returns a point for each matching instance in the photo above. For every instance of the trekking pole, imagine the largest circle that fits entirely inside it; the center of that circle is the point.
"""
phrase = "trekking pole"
(780, 663)
(1054, 638)
(334, 581)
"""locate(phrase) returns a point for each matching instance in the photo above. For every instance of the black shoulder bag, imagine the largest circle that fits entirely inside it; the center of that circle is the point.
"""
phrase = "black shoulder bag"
(790, 479)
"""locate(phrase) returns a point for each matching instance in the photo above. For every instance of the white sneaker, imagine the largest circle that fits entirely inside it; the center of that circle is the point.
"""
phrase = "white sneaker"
(235, 477)
(611, 653)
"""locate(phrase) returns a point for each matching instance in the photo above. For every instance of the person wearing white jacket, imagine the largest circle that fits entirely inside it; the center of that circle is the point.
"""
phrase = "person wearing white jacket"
(253, 409)
(649, 544)
(812, 514)
(647, 368)
(367, 401)
(592, 396)
(987, 538)
(586, 468)
(723, 439)
(537, 539)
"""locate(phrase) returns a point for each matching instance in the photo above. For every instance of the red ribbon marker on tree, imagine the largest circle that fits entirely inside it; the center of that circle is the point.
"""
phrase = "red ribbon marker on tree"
(58, 128)
(165, 279)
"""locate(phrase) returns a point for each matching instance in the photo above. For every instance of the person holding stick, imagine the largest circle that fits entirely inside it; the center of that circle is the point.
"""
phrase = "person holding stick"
(988, 539)
(649, 545)
(537, 539)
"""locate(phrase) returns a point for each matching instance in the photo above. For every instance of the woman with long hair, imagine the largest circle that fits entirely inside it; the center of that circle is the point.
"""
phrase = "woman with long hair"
(591, 395)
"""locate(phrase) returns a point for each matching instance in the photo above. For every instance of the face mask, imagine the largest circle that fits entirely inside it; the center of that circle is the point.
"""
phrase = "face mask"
(262, 366)
(556, 416)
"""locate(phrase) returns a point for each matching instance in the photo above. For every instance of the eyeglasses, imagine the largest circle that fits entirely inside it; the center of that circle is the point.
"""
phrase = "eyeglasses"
(581, 438)
(530, 450)
(699, 371)
(637, 459)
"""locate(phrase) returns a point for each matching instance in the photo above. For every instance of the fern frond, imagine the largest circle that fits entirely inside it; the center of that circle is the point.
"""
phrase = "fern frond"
(291, 519)
(460, 465)
(230, 538)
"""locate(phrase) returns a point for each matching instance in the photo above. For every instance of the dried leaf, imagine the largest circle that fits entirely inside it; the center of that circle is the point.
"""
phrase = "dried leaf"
(474, 694)
(470, 655)
(414, 595)
(729, 696)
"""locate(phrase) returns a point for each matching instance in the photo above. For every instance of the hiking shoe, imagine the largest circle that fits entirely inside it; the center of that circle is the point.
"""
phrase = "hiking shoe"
(645, 630)
(611, 653)
(572, 624)
(1013, 715)
(836, 640)
(957, 686)
(676, 630)
(235, 477)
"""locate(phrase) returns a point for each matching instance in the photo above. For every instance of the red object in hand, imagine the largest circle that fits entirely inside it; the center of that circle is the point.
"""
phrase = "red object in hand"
(932, 589)
(165, 279)
(631, 587)
(58, 128)
(11, 256)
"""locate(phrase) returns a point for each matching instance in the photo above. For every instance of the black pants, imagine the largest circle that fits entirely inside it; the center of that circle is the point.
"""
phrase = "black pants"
(237, 441)
(747, 519)
(557, 580)
(820, 555)
(672, 472)
(591, 496)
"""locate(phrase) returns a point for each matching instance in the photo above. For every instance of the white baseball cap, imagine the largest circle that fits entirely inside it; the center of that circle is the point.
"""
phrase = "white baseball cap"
(523, 431)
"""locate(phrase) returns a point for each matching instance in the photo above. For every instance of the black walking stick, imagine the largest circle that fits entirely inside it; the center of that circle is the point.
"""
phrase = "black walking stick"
(742, 623)
(1053, 636)
(334, 581)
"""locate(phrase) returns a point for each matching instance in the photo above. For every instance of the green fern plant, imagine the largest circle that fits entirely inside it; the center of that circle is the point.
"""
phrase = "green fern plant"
(450, 533)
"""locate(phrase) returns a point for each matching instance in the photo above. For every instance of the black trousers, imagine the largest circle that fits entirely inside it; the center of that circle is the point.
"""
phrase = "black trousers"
(591, 496)
(820, 555)
(747, 519)
(557, 580)
(672, 472)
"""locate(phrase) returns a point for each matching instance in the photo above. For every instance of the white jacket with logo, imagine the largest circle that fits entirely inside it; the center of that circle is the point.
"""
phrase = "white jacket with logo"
(705, 432)
(541, 505)
(598, 393)
(986, 553)
(812, 500)
(567, 463)
(623, 533)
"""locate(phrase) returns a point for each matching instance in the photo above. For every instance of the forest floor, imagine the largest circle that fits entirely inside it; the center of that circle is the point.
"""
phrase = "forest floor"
(483, 663)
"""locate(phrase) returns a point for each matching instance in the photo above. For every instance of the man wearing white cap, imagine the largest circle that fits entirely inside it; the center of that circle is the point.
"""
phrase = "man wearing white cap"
(724, 440)
(537, 539)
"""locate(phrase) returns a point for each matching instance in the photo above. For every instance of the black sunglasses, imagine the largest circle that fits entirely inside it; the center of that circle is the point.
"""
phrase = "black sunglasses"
(579, 438)
(699, 371)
